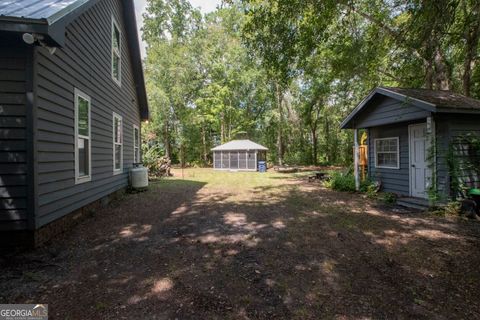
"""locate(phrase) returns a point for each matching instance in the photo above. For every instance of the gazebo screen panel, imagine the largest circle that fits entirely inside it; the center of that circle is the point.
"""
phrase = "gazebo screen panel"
(233, 159)
(225, 160)
(217, 159)
(242, 160)
(251, 160)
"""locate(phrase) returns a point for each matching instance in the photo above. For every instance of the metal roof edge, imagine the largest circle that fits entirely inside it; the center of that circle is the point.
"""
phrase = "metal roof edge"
(136, 57)
(54, 25)
(70, 9)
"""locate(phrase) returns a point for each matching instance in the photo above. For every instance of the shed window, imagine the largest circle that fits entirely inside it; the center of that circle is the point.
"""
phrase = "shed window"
(82, 137)
(117, 143)
(387, 153)
(116, 53)
(136, 144)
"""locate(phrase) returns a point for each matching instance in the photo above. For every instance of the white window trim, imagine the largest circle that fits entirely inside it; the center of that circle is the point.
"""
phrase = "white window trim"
(119, 53)
(136, 154)
(78, 178)
(114, 143)
(375, 153)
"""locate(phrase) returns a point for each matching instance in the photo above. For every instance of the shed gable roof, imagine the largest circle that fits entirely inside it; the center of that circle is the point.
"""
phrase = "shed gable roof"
(239, 145)
(50, 18)
(441, 99)
(429, 100)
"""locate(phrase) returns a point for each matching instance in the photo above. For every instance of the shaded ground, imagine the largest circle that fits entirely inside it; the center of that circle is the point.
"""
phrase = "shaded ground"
(252, 246)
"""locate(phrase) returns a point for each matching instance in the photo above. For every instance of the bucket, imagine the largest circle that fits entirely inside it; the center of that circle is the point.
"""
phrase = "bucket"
(262, 166)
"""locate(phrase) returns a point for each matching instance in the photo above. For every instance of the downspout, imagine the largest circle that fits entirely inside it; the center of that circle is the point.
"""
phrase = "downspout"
(31, 128)
(432, 134)
(356, 159)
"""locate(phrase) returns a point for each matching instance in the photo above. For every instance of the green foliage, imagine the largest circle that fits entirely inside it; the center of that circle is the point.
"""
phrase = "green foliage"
(389, 198)
(205, 87)
(414, 44)
(345, 181)
(150, 159)
(452, 208)
(369, 188)
(286, 72)
(341, 181)
(463, 158)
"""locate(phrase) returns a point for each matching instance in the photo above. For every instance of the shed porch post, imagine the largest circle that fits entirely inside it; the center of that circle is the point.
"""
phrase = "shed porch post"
(356, 160)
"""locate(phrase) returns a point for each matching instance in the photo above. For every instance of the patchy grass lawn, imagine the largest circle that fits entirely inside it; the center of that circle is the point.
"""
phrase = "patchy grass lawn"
(229, 245)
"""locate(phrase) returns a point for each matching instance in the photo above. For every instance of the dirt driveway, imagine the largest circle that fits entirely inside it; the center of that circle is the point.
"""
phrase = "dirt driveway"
(252, 246)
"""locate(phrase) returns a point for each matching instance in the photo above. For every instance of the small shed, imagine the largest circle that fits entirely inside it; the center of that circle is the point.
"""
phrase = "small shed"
(239, 155)
(412, 134)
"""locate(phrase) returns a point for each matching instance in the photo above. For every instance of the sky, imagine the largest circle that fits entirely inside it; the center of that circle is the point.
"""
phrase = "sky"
(205, 6)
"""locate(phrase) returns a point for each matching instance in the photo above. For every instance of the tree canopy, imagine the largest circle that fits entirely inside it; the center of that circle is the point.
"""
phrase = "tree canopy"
(286, 72)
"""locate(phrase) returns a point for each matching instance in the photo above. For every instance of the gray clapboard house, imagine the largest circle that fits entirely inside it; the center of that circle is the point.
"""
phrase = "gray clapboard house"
(72, 98)
(410, 135)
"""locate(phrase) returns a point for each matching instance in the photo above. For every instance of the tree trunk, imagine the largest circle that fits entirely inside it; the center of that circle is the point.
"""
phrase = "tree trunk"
(166, 139)
(314, 144)
(429, 74)
(442, 71)
(279, 126)
(182, 155)
(472, 37)
(222, 127)
(204, 145)
(327, 139)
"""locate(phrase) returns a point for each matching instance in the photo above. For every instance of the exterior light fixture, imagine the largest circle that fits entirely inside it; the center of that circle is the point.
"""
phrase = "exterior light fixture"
(28, 38)
(31, 38)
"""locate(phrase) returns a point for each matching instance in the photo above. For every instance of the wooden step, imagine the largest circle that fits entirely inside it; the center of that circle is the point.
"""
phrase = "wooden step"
(414, 203)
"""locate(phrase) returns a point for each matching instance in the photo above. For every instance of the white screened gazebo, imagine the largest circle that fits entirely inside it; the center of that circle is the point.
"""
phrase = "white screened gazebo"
(238, 155)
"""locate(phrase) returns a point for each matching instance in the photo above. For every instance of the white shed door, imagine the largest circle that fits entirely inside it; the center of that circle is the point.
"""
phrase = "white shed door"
(420, 174)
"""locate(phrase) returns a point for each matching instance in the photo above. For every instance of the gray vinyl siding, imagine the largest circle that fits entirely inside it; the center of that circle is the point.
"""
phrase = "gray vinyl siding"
(450, 129)
(393, 180)
(13, 142)
(442, 131)
(385, 110)
(83, 63)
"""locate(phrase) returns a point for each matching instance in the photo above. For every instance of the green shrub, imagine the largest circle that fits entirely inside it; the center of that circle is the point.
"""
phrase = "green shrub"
(345, 181)
(389, 198)
(341, 181)
(369, 188)
(452, 208)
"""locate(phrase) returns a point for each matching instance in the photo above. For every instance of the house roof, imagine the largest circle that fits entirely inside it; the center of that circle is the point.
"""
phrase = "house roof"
(50, 18)
(435, 101)
(46, 17)
(43, 10)
(239, 145)
(440, 98)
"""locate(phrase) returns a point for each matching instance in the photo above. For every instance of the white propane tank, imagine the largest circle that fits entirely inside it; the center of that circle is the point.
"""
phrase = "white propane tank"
(139, 177)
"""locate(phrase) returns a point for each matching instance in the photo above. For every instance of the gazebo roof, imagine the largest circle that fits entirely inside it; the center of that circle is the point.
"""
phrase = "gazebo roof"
(239, 145)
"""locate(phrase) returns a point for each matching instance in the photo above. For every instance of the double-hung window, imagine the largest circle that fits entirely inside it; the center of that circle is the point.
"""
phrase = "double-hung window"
(387, 153)
(83, 147)
(117, 143)
(136, 144)
(116, 53)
